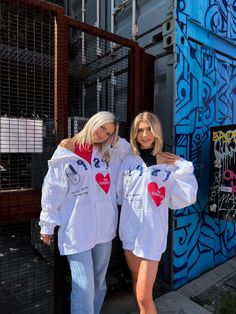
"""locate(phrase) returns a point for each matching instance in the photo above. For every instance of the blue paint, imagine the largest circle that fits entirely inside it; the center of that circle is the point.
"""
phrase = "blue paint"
(96, 163)
(205, 96)
(81, 163)
(140, 168)
(198, 33)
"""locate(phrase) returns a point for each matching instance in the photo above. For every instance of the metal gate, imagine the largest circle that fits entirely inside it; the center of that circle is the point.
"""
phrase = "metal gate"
(55, 72)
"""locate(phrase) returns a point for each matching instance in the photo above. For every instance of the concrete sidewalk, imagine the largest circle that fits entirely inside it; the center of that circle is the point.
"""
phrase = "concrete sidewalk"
(206, 289)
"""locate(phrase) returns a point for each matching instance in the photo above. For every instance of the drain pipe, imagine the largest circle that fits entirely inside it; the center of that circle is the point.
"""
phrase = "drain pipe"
(113, 84)
(134, 25)
(83, 58)
(84, 92)
(98, 49)
(99, 88)
(98, 52)
(112, 44)
(175, 64)
(82, 35)
(112, 16)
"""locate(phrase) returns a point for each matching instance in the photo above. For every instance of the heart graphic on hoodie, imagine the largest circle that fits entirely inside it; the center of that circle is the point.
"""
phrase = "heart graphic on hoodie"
(157, 194)
(103, 181)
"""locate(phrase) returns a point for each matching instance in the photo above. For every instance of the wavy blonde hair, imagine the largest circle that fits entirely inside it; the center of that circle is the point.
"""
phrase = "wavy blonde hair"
(156, 130)
(96, 121)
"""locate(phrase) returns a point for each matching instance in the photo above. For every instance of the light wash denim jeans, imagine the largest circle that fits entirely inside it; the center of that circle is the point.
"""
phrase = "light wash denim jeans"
(88, 271)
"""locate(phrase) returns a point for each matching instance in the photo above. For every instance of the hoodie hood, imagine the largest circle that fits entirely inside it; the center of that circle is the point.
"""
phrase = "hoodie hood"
(61, 153)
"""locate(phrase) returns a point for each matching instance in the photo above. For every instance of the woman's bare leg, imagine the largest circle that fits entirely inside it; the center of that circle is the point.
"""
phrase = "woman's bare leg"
(143, 274)
(133, 262)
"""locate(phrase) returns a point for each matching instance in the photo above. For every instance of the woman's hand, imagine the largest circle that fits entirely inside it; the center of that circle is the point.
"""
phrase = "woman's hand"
(47, 238)
(68, 143)
(166, 158)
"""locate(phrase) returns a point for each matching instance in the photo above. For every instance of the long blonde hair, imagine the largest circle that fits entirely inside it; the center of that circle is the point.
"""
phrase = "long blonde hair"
(156, 130)
(96, 121)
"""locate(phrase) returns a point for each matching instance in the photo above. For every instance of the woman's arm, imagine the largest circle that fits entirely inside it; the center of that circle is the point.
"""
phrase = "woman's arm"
(120, 186)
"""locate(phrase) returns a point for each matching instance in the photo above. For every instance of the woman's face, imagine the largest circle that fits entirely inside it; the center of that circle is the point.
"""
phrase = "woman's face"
(144, 135)
(103, 133)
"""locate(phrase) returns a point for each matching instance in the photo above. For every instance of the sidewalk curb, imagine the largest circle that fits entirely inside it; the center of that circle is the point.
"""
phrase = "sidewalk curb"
(209, 279)
(179, 301)
(175, 303)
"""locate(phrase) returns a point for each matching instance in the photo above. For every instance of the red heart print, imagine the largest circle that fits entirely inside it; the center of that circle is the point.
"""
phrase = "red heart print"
(157, 194)
(103, 181)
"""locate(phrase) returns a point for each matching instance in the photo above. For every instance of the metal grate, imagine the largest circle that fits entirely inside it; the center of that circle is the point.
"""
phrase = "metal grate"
(98, 77)
(26, 94)
(27, 140)
(26, 279)
(58, 2)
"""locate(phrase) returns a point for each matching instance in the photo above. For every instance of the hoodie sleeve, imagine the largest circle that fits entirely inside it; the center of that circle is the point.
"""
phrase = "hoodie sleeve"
(184, 190)
(53, 194)
(123, 148)
(118, 153)
(120, 185)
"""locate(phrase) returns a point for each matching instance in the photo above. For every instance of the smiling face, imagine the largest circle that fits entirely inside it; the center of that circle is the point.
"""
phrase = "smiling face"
(103, 133)
(144, 135)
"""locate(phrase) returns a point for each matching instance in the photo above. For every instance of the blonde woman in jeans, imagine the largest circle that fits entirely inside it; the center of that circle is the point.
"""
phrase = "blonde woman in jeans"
(79, 196)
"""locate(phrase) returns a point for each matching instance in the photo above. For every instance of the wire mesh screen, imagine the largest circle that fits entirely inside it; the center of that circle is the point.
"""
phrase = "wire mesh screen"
(58, 2)
(26, 94)
(98, 78)
(26, 278)
(27, 140)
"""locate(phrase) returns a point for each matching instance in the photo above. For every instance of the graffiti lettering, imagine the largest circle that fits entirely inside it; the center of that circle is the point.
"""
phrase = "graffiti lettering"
(229, 175)
(228, 137)
(227, 201)
(215, 188)
(233, 187)
(226, 150)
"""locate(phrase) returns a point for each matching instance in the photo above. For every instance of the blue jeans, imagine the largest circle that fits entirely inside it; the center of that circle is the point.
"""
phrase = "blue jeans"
(88, 271)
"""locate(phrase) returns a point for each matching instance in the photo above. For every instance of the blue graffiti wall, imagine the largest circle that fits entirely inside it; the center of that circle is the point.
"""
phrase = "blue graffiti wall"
(205, 97)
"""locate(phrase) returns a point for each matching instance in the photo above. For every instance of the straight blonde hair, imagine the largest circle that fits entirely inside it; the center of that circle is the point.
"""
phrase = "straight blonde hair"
(156, 130)
(84, 137)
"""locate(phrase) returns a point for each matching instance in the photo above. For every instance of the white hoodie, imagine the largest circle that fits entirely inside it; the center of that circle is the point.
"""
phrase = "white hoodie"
(80, 198)
(146, 193)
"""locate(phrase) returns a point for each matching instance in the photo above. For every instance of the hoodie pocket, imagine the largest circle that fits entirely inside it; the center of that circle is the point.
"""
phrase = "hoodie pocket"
(81, 226)
(152, 235)
(107, 217)
(130, 223)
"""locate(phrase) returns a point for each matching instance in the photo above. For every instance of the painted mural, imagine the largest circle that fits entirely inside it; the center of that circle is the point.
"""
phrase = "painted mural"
(205, 97)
